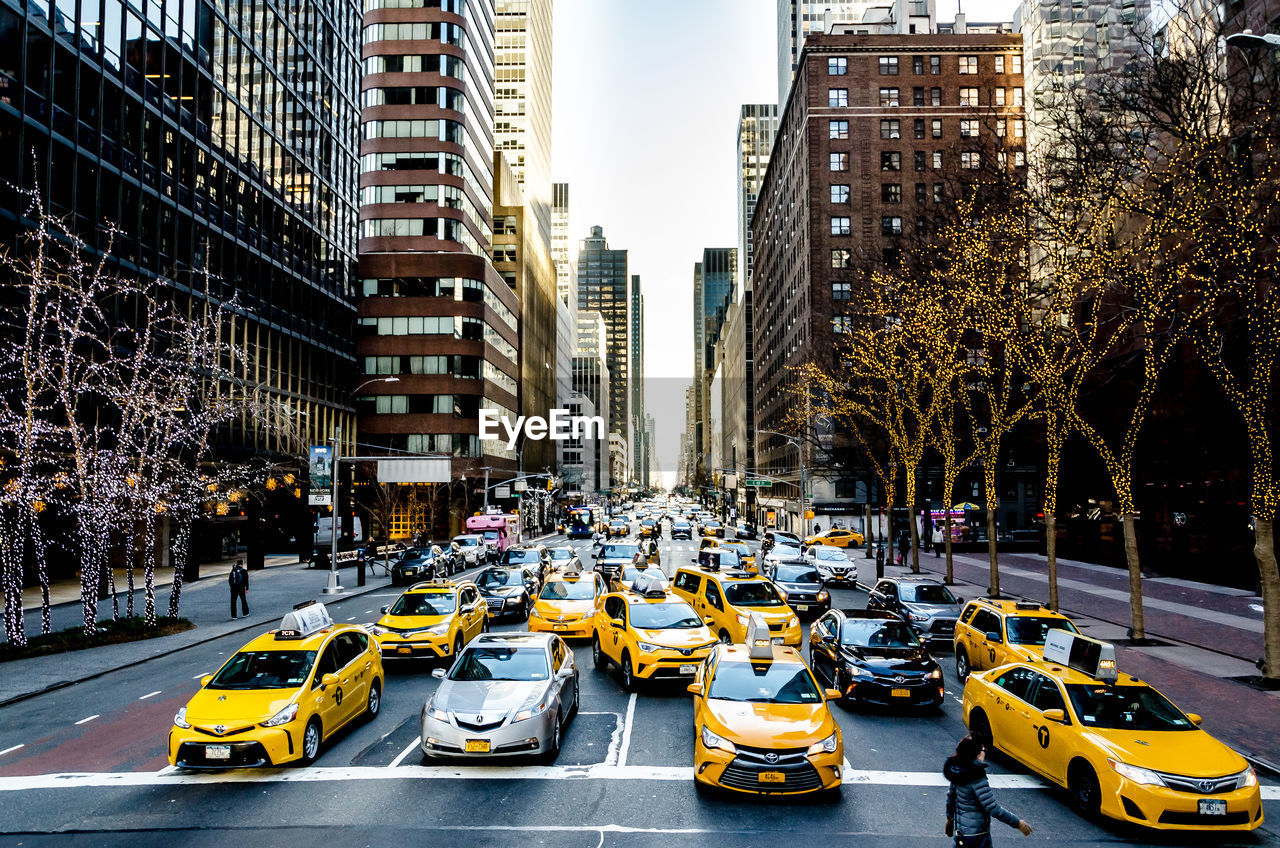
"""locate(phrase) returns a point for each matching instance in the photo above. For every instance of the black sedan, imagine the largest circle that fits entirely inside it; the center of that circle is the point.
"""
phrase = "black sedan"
(800, 585)
(417, 564)
(681, 529)
(508, 591)
(744, 531)
(874, 657)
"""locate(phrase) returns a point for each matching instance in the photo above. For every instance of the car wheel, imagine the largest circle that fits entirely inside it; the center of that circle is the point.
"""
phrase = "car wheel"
(628, 675)
(980, 729)
(457, 645)
(1086, 794)
(311, 738)
(598, 659)
(374, 704)
(577, 692)
(553, 750)
(725, 638)
(962, 665)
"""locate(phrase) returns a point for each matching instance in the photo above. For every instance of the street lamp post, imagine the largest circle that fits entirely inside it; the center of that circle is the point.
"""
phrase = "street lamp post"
(800, 450)
(333, 587)
(1248, 40)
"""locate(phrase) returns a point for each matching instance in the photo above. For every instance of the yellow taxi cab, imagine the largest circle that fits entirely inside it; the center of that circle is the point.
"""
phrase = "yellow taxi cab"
(745, 556)
(432, 619)
(568, 604)
(761, 722)
(650, 528)
(992, 632)
(837, 538)
(1115, 743)
(649, 634)
(726, 600)
(278, 698)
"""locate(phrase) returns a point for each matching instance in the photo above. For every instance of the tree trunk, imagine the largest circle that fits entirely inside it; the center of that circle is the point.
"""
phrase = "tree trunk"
(946, 540)
(11, 555)
(993, 560)
(915, 543)
(1264, 550)
(1138, 627)
(1051, 552)
(181, 551)
(888, 533)
(148, 551)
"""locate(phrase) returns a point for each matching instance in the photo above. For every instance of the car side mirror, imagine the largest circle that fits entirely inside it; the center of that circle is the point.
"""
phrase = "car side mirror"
(992, 636)
(959, 600)
(329, 680)
(1195, 718)
(710, 622)
(616, 622)
(829, 638)
(564, 674)
(384, 610)
(1055, 715)
(437, 673)
(204, 681)
(832, 694)
(694, 688)
(693, 559)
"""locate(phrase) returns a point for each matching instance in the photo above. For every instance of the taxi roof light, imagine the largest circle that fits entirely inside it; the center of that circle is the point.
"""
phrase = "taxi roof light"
(648, 585)
(1082, 653)
(305, 619)
(759, 643)
(1028, 605)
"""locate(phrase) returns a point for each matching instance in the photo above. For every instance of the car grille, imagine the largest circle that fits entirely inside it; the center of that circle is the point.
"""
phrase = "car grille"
(230, 731)
(946, 626)
(777, 628)
(479, 727)
(1194, 819)
(495, 603)
(801, 599)
(899, 680)
(1204, 785)
(243, 755)
(744, 771)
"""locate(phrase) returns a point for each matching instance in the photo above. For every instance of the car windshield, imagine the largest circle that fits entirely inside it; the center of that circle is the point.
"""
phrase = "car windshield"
(724, 559)
(631, 572)
(522, 555)
(491, 534)
(1125, 708)
(669, 615)
(930, 593)
(680, 524)
(740, 550)
(501, 663)
(796, 574)
(877, 633)
(831, 554)
(425, 603)
(416, 553)
(767, 683)
(619, 551)
(569, 590)
(264, 670)
(561, 553)
(467, 541)
(1032, 630)
(498, 577)
(756, 593)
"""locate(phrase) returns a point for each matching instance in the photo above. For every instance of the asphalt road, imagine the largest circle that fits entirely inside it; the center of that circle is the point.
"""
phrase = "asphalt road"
(86, 766)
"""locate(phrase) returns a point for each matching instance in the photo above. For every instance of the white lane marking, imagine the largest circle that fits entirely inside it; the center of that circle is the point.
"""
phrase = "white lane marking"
(12, 749)
(406, 752)
(87, 720)
(172, 777)
(200, 675)
(367, 612)
(150, 695)
(627, 724)
(352, 618)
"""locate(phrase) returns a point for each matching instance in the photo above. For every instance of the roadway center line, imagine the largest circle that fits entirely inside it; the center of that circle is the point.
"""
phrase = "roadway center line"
(12, 749)
(406, 752)
(150, 695)
(87, 720)
(627, 723)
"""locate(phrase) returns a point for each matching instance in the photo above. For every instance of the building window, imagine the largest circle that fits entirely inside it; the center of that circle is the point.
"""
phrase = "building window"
(889, 129)
(891, 192)
(968, 64)
(837, 129)
(968, 97)
(919, 160)
(937, 160)
(842, 291)
(968, 128)
(837, 66)
(839, 194)
(935, 97)
(935, 65)
(1017, 97)
(890, 160)
(1019, 128)
(917, 64)
(917, 96)
(842, 324)
(1016, 63)
(888, 65)
(997, 97)
(917, 128)
(890, 225)
(999, 64)
(841, 257)
(1019, 159)
(939, 192)
(888, 97)
(970, 160)
(837, 97)
(999, 128)
(922, 225)
(922, 193)
(937, 128)
(839, 161)
(840, 226)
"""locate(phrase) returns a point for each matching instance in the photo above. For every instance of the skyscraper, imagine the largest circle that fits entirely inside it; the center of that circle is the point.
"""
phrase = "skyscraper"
(604, 287)
(522, 76)
(714, 279)
(639, 448)
(435, 312)
(566, 262)
(591, 380)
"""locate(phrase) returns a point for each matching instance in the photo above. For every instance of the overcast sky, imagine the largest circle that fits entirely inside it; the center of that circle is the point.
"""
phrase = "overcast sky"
(646, 102)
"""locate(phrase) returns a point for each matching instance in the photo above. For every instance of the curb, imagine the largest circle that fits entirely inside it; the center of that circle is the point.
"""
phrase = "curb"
(63, 684)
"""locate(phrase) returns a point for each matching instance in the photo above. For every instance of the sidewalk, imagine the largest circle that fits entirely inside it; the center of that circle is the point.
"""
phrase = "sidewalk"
(1208, 634)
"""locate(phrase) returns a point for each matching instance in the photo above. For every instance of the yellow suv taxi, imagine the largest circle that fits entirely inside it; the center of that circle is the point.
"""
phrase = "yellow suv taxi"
(568, 604)
(726, 600)
(277, 699)
(992, 632)
(649, 634)
(762, 723)
(1118, 746)
(837, 538)
(433, 619)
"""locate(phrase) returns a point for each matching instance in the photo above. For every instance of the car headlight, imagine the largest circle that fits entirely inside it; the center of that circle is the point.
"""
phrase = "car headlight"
(826, 746)
(647, 646)
(714, 740)
(823, 595)
(1137, 774)
(794, 622)
(530, 712)
(285, 716)
(438, 630)
(742, 619)
(858, 671)
(180, 719)
(533, 613)
(1248, 778)
(936, 674)
(915, 616)
(378, 630)
(437, 714)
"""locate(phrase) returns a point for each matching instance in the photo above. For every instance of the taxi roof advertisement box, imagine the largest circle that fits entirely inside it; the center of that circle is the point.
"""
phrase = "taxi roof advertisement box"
(1091, 656)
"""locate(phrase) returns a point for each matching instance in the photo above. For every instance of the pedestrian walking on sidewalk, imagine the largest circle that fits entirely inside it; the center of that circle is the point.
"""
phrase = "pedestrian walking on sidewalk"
(970, 802)
(238, 580)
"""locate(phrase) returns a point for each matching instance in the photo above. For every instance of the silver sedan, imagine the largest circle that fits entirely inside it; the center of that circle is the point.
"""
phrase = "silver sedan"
(507, 694)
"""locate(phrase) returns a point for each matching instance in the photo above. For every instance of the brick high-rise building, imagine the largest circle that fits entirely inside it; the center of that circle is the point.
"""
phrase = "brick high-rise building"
(876, 131)
(604, 287)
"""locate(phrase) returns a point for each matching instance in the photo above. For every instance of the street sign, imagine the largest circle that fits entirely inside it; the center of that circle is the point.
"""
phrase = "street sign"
(759, 482)
(502, 492)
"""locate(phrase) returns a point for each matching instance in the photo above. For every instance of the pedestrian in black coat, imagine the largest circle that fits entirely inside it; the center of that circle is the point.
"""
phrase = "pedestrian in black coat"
(238, 580)
(971, 805)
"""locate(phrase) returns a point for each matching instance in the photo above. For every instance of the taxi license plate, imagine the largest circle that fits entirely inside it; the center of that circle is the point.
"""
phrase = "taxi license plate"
(559, 627)
(1213, 807)
(404, 650)
(477, 746)
(900, 693)
(223, 752)
(688, 669)
(802, 607)
(772, 777)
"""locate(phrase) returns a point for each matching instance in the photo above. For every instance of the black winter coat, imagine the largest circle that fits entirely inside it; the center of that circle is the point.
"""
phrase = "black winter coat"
(970, 802)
